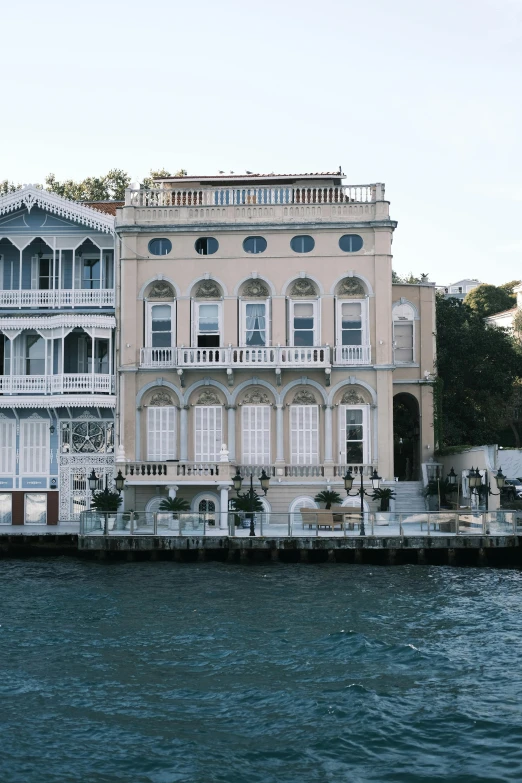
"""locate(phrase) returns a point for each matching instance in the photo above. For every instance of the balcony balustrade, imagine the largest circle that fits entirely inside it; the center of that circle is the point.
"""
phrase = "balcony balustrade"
(177, 470)
(240, 196)
(59, 297)
(57, 384)
(280, 356)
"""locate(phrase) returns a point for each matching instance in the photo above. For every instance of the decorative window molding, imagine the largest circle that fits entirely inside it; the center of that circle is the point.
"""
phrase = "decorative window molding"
(208, 397)
(304, 397)
(256, 397)
(208, 289)
(303, 287)
(161, 290)
(256, 289)
(352, 397)
(161, 399)
(351, 287)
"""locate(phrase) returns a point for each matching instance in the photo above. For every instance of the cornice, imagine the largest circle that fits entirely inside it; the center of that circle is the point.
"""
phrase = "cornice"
(29, 196)
(55, 321)
(191, 228)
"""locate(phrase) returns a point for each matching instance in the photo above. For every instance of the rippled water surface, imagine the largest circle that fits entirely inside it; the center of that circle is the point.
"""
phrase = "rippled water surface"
(169, 672)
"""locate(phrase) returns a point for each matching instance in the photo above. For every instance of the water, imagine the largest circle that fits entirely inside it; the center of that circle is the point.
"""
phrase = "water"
(173, 673)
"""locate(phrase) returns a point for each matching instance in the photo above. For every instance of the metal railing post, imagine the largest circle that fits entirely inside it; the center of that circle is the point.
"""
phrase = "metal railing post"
(106, 525)
(400, 526)
(428, 516)
(372, 520)
(484, 525)
(457, 524)
(132, 523)
(289, 525)
(155, 527)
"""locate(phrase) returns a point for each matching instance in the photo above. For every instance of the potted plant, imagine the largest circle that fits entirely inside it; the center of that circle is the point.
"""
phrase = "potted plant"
(108, 502)
(384, 494)
(174, 505)
(246, 507)
(328, 496)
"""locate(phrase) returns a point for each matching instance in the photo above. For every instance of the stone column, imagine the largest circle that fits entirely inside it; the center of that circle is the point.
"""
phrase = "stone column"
(328, 434)
(183, 433)
(231, 410)
(223, 503)
(280, 439)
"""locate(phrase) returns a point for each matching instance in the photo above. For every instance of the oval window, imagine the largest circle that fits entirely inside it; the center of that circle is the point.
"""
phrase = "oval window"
(206, 246)
(160, 247)
(350, 243)
(302, 243)
(254, 245)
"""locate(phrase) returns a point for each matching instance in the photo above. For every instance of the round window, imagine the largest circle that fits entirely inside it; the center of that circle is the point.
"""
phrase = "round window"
(302, 243)
(206, 246)
(254, 245)
(160, 247)
(350, 243)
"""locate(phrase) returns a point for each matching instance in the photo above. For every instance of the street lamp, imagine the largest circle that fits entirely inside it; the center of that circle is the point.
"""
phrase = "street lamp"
(475, 481)
(119, 482)
(348, 483)
(452, 478)
(250, 495)
(93, 481)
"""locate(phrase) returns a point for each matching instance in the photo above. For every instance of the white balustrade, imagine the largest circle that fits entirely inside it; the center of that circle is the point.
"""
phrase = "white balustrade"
(231, 196)
(158, 357)
(301, 471)
(353, 354)
(57, 384)
(59, 297)
(281, 356)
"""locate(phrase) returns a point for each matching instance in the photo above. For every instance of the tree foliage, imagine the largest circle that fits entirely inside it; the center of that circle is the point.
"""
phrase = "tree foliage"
(106, 501)
(328, 496)
(478, 367)
(410, 278)
(488, 299)
(109, 186)
(174, 505)
(244, 503)
(148, 182)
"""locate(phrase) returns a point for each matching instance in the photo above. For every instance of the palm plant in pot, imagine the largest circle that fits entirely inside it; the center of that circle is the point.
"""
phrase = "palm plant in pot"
(384, 494)
(106, 502)
(174, 505)
(328, 497)
(247, 506)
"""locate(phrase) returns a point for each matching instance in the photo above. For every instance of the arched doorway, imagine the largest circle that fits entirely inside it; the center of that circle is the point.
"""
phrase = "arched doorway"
(406, 437)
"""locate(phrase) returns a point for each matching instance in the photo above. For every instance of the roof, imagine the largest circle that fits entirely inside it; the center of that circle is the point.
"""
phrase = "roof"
(108, 207)
(232, 177)
(502, 313)
(30, 196)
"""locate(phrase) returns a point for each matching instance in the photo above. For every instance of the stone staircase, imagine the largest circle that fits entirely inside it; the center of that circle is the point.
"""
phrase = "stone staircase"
(409, 498)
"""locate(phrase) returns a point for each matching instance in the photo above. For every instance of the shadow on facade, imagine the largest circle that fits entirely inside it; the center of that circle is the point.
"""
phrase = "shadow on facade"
(406, 440)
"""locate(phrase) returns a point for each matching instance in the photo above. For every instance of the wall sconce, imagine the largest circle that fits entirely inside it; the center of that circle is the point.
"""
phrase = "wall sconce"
(53, 484)
(51, 429)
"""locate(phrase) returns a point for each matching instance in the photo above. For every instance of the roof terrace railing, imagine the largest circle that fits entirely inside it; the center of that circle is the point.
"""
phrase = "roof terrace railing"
(185, 197)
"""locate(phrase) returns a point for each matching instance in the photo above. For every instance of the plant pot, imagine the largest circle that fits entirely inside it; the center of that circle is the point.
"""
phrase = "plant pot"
(120, 523)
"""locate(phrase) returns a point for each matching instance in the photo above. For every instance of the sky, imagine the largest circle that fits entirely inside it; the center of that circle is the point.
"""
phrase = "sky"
(423, 96)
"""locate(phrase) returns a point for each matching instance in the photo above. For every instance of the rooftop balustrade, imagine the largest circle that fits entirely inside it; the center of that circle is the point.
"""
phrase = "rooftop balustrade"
(81, 383)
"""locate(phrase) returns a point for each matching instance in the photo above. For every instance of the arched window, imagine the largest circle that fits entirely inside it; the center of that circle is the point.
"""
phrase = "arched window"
(298, 503)
(161, 427)
(304, 429)
(303, 313)
(352, 339)
(403, 333)
(208, 426)
(207, 315)
(254, 314)
(160, 324)
(207, 507)
(255, 430)
(354, 431)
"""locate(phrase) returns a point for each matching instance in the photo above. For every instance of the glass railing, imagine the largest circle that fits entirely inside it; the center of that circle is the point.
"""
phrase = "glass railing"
(344, 522)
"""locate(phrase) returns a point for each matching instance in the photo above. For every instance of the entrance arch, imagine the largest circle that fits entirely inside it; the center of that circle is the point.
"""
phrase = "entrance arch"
(406, 437)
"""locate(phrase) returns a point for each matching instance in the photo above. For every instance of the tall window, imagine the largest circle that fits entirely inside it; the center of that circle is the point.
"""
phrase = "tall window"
(207, 324)
(161, 432)
(350, 323)
(160, 323)
(255, 429)
(304, 434)
(403, 333)
(6, 507)
(34, 355)
(7, 447)
(41, 272)
(255, 323)
(353, 435)
(303, 323)
(34, 448)
(208, 423)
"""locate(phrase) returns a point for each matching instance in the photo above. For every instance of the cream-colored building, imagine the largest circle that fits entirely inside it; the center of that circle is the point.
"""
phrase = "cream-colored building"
(258, 327)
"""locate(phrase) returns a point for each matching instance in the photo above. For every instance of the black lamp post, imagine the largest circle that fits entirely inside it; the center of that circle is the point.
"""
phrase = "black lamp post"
(119, 482)
(348, 483)
(251, 495)
(475, 481)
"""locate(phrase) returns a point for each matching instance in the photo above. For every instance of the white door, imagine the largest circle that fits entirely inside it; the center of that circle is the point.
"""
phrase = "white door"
(255, 431)
(161, 433)
(304, 434)
(208, 432)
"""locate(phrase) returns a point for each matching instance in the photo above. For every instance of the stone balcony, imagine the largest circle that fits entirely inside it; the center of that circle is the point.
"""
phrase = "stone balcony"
(58, 297)
(279, 357)
(281, 203)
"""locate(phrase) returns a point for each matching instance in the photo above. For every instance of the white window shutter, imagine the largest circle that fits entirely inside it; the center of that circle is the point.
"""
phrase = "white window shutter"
(161, 433)
(342, 434)
(304, 434)
(7, 447)
(208, 432)
(78, 266)
(34, 448)
(255, 426)
(2, 272)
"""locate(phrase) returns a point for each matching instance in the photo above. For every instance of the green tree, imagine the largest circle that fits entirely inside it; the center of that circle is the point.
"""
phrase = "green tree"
(110, 186)
(243, 504)
(410, 278)
(478, 366)
(488, 299)
(510, 285)
(8, 187)
(106, 501)
(148, 182)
